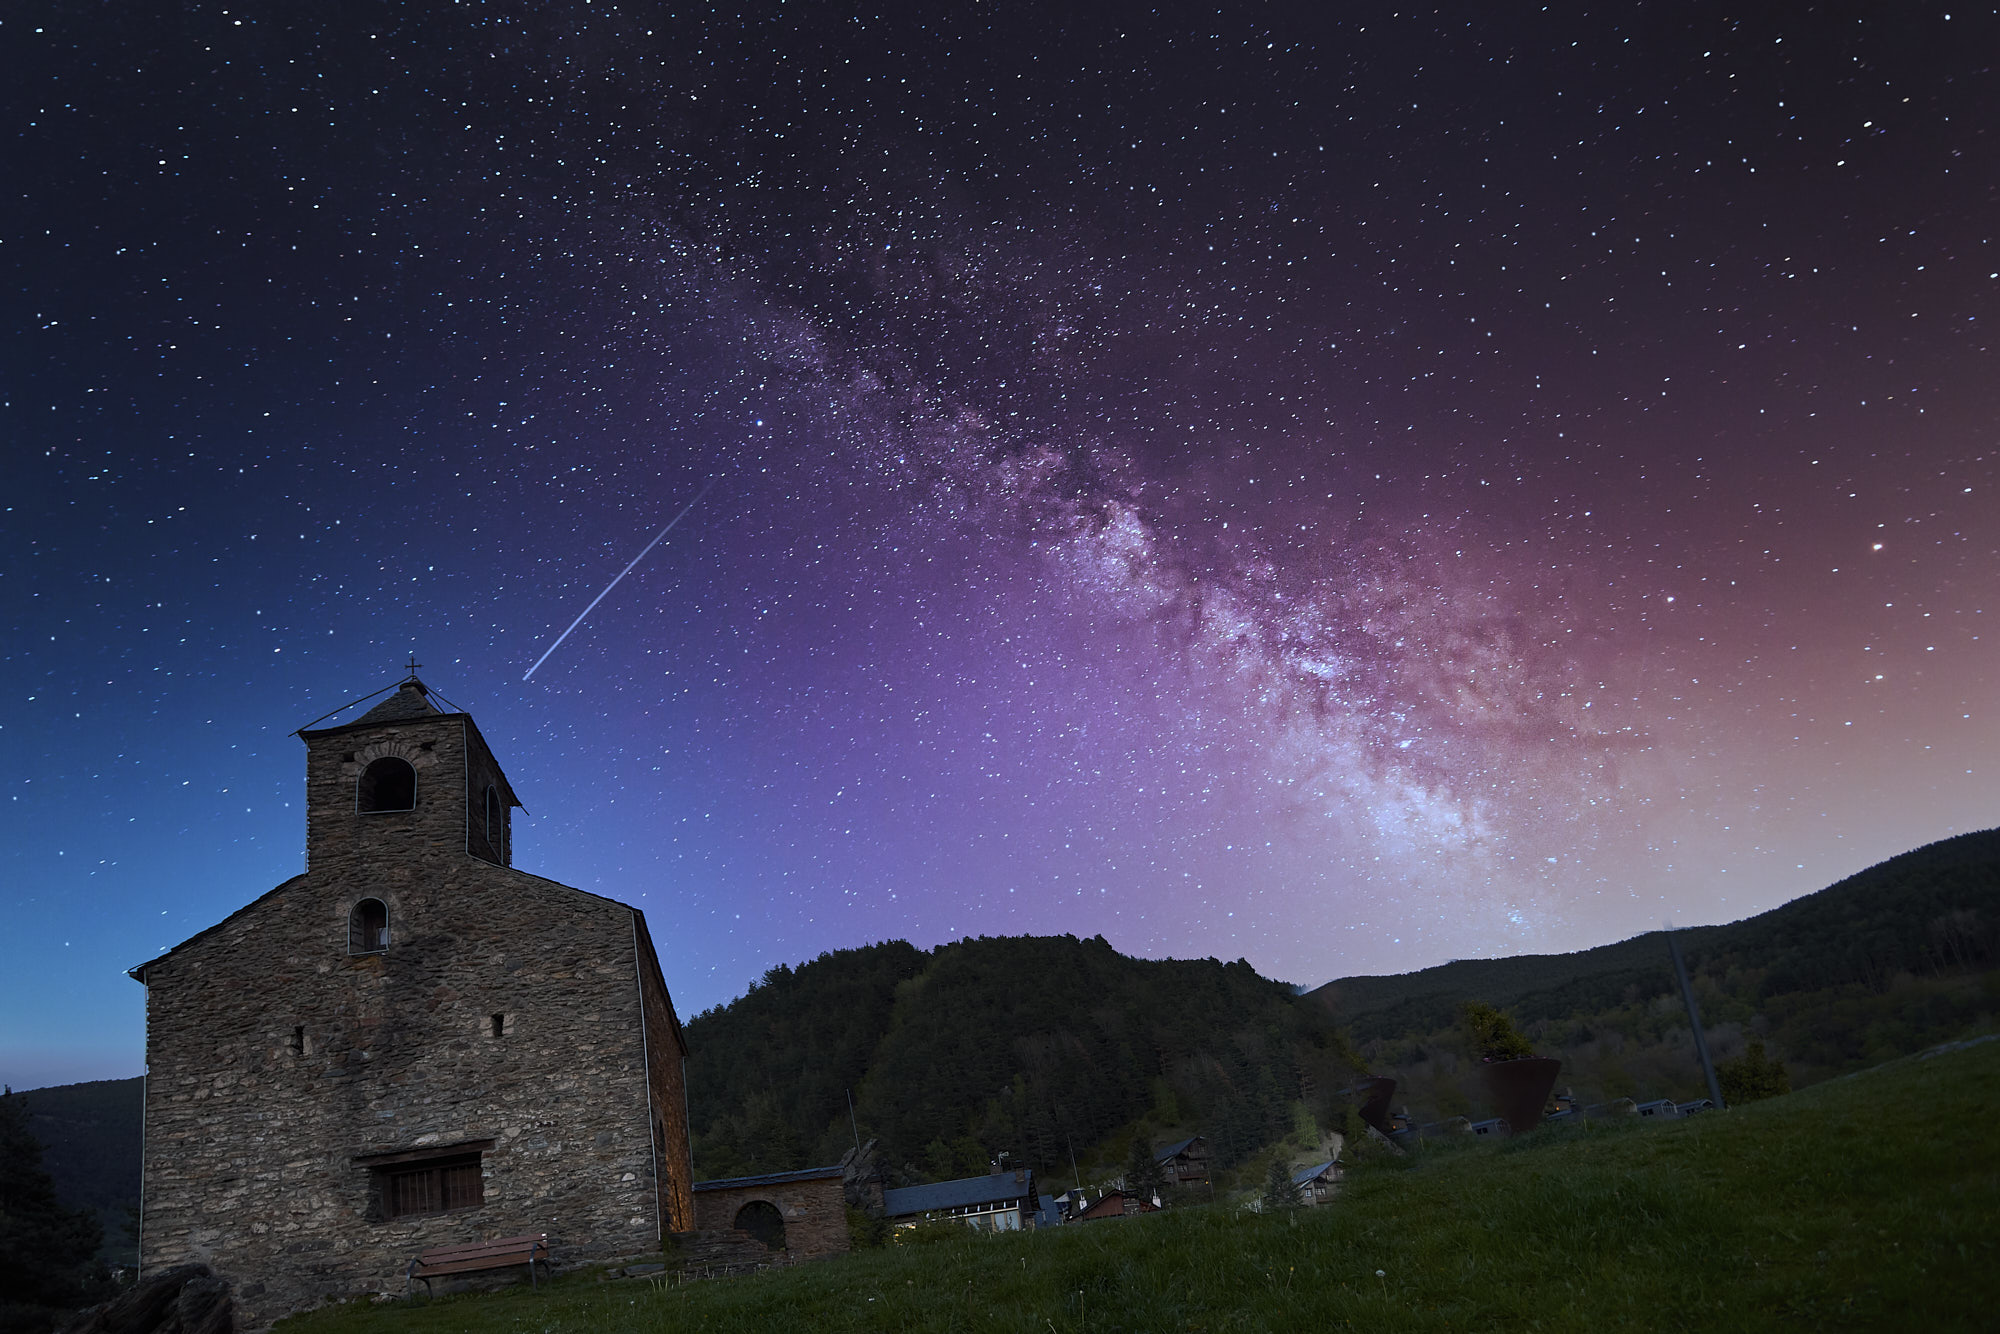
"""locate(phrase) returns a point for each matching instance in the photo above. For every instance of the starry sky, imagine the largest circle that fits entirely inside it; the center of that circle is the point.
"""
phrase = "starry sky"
(1343, 486)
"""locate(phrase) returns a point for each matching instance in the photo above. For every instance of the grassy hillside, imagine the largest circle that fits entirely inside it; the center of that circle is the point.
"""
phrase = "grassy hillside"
(90, 1148)
(1861, 1203)
(1883, 963)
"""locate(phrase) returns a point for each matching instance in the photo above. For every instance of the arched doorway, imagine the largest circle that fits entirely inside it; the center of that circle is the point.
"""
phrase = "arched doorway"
(761, 1219)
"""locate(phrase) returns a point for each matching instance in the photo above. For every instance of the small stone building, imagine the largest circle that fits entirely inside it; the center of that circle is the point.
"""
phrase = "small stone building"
(796, 1215)
(410, 1045)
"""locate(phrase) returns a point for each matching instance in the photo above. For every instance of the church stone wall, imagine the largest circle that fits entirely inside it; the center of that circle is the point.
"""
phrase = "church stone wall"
(437, 748)
(666, 1062)
(276, 1058)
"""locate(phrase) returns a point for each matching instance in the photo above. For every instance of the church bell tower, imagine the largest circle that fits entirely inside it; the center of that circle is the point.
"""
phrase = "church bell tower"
(406, 780)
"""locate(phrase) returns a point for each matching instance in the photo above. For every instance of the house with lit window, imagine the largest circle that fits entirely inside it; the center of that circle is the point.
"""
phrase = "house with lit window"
(411, 1045)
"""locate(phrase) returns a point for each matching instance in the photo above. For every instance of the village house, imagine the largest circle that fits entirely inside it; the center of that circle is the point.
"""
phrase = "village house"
(998, 1202)
(408, 1046)
(1184, 1162)
(1115, 1204)
(1318, 1183)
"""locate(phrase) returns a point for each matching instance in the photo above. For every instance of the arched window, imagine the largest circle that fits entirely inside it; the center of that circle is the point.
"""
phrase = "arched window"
(368, 927)
(493, 810)
(389, 784)
(761, 1219)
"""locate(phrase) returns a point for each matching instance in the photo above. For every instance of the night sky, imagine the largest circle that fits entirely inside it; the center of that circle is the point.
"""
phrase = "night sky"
(1346, 492)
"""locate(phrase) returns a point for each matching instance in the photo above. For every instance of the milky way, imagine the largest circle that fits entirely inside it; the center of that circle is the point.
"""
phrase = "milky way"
(1346, 492)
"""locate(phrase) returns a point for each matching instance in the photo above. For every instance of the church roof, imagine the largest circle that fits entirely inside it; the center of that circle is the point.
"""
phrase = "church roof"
(411, 700)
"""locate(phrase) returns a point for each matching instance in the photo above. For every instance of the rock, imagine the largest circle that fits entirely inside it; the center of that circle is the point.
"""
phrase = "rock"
(187, 1299)
(203, 1307)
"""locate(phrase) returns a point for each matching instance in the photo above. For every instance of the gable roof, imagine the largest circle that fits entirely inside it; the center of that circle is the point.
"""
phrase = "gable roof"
(138, 971)
(411, 700)
(1114, 1203)
(998, 1188)
(771, 1178)
(1305, 1174)
(1175, 1149)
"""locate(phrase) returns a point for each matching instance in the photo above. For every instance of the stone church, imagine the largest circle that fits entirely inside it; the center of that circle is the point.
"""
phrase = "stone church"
(411, 1045)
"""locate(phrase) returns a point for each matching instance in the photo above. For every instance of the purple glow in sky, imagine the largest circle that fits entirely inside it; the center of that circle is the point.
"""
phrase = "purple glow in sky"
(1346, 492)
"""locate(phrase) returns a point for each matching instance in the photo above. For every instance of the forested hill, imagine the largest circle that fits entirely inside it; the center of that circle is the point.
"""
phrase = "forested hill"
(1932, 911)
(1036, 1046)
(90, 1148)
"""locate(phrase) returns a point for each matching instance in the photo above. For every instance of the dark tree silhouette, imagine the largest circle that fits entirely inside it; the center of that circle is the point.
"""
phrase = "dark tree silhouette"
(1280, 1191)
(48, 1264)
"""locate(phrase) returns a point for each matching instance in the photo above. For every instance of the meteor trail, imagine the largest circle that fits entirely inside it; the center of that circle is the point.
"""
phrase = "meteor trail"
(621, 574)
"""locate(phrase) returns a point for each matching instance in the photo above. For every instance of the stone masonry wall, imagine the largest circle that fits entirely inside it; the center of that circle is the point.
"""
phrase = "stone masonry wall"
(815, 1213)
(667, 1071)
(276, 1058)
(437, 748)
(483, 771)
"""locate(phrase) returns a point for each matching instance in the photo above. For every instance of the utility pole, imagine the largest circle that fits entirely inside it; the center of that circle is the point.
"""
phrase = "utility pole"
(1694, 1018)
(854, 1125)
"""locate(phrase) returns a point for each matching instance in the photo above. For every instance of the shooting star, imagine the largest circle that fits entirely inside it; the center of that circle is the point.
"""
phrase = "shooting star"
(621, 574)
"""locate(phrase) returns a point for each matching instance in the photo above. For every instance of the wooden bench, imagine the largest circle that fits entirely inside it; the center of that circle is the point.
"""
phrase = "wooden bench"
(502, 1253)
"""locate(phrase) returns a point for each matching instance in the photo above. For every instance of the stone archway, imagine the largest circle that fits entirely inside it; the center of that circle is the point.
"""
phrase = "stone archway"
(761, 1219)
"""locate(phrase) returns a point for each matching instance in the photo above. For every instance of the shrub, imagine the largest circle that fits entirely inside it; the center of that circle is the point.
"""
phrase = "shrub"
(1753, 1075)
(1493, 1034)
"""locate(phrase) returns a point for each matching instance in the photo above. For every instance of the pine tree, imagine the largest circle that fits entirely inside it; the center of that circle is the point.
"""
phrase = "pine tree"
(48, 1254)
(1142, 1174)
(1280, 1191)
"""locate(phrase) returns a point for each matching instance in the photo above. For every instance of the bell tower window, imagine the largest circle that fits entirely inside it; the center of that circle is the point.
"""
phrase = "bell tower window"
(368, 927)
(389, 784)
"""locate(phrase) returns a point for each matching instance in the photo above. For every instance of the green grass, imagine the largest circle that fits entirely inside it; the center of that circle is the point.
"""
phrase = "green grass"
(1861, 1203)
